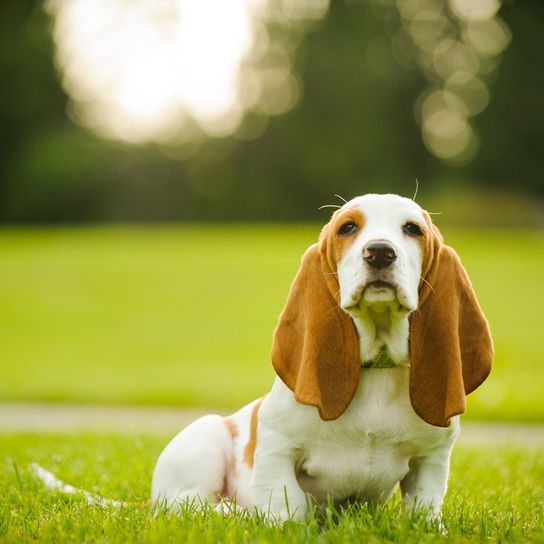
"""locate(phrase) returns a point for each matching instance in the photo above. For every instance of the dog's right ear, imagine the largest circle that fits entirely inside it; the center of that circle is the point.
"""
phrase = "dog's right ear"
(316, 348)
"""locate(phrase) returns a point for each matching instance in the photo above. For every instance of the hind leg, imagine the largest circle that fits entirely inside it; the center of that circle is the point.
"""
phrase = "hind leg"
(193, 466)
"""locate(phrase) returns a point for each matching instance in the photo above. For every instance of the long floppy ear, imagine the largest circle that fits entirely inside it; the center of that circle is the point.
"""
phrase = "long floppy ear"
(450, 342)
(316, 348)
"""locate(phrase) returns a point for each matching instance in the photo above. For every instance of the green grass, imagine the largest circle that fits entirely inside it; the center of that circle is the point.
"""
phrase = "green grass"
(184, 314)
(496, 494)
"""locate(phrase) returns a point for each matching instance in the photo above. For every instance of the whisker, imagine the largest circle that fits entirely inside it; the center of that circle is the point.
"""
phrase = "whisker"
(341, 198)
(329, 206)
(434, 213)
(417, 188)
(432, 288)
(333, 309)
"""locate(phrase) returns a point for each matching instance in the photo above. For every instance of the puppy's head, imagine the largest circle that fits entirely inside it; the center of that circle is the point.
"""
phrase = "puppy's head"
(378, 243)
(382, 251)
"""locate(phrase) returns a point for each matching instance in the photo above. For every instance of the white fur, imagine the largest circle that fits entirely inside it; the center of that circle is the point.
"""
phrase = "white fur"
(376, 444)
(385, 215)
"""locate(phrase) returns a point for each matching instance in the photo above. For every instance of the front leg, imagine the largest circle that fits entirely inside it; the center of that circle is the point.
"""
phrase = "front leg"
(426, 482)
(275, 486)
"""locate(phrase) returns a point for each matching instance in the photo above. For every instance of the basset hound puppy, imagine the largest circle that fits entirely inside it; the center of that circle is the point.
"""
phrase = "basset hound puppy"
(379, 342)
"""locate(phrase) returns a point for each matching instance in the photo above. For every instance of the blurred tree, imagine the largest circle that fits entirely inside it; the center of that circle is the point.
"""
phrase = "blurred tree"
(354, 131)
(512, 129)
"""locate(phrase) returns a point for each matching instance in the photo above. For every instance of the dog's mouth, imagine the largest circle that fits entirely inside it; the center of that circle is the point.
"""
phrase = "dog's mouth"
(380, 284)
(379, 292)
(373, 291)
(379, 295)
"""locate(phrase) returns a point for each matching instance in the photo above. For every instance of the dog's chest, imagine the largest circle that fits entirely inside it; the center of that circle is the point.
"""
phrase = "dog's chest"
(366, 451)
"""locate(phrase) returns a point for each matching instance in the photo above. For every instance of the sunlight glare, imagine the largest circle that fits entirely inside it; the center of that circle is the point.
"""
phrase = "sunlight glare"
(148, 70)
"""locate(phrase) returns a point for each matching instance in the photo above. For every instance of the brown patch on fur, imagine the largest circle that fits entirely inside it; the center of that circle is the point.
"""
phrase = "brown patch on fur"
(424, 242)
(231, 426)
(249, 449)
(339, 244)
(231, 472)
(223, 494)
(316, 347)
(429, 244)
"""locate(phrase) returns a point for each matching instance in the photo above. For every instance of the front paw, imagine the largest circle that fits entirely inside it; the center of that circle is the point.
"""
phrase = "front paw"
(435, 521)
(279, 513)
(427, 510)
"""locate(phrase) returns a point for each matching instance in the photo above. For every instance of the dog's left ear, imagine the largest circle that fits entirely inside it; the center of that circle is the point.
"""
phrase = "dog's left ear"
(451, 348)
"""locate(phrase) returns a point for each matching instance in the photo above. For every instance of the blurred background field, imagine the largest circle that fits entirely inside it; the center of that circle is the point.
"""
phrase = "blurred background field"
(162, 165)
(184, 315)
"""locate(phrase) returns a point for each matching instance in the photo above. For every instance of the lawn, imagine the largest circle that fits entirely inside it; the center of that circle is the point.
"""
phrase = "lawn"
(184, 315)
(496, 494)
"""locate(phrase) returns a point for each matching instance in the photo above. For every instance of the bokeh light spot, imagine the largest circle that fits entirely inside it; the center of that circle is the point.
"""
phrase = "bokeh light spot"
(457, 46)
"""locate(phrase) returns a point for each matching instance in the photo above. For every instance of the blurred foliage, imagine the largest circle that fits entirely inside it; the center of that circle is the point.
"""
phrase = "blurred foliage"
(354, 131)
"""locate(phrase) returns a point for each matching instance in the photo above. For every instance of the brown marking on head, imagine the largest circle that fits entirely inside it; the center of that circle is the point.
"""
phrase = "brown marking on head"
(249, 449)
(429, 244)
(316, 346)
(336, 244)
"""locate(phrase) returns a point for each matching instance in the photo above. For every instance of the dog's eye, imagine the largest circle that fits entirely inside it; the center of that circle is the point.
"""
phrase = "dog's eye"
(347, 229)
(411, 229)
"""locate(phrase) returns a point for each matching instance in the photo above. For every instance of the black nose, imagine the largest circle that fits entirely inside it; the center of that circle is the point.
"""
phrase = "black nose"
(379, 254)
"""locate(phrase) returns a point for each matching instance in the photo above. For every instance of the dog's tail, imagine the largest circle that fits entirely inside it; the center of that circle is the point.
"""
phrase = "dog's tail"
(53, 483)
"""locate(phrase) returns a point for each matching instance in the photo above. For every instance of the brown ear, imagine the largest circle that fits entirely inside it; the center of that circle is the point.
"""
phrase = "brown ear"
(450, 342)
(316, 348)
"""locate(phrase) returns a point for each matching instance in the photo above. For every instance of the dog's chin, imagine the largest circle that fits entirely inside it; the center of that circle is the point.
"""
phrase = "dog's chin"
(379, 294)
(379, 291)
